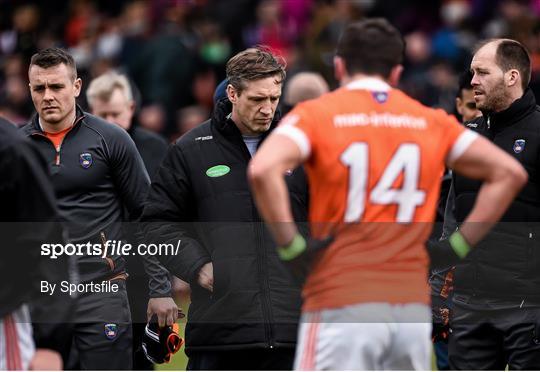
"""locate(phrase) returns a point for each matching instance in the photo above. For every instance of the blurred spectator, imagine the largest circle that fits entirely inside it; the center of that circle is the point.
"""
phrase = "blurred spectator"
(450, 42)
(21, 38)
(152, 117)
(270, 29)
(14, 93)
(204, 83)
(175, 50)
(188, 118)
(301, 87)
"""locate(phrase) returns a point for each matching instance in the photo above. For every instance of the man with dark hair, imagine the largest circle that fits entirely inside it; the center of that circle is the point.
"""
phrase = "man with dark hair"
(373, 157)
(97, 174)
(496, 304)
(465, 103)
(441, 279)
(244, 306)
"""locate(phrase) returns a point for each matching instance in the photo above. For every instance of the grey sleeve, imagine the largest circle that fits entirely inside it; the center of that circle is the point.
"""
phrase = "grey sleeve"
(133, 184)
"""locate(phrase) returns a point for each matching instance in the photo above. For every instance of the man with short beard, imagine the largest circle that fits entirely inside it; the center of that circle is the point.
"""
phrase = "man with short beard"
(496, 318)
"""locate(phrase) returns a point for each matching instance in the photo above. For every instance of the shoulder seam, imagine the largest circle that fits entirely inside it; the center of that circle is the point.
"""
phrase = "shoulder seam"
(99, 134)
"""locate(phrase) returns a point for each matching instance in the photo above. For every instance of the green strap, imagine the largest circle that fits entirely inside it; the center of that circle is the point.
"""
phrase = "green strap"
(295, 248)
(459, 244)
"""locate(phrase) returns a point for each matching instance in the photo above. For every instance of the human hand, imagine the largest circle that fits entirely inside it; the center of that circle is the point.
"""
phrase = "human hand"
(205, 277)
(165, 309)
(300, 253)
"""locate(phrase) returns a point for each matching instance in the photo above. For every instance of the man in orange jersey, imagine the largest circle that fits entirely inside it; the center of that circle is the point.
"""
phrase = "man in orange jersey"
(374, 158)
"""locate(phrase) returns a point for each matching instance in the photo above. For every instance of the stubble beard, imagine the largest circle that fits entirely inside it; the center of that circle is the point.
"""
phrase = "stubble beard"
(496, 100)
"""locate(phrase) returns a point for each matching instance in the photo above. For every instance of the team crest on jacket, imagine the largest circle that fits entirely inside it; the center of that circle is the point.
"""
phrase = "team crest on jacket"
(111, 330)
(519, 146)
(85, 159)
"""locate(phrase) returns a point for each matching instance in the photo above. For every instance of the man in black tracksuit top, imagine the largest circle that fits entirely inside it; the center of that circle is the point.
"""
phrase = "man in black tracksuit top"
(96, 173)
(245, 307)
(496, 319)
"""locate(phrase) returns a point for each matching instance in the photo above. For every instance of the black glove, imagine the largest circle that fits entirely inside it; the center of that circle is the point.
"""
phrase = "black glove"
(159, 344)
(441, 324)
(447, 253)
(299, 254)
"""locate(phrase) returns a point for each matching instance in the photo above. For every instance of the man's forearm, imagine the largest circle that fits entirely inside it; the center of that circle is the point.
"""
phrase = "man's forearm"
(271, 196)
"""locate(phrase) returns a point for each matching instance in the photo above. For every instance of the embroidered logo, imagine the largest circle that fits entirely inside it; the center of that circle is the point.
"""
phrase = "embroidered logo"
(519, 146)
(111, 330)
(85, 159)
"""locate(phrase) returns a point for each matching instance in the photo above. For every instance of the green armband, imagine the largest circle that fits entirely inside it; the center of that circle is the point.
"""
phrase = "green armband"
(459, 244)
(295, 248)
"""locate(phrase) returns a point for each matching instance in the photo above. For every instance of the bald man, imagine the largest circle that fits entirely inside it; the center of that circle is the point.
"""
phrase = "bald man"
(301, 87)
(496, 314)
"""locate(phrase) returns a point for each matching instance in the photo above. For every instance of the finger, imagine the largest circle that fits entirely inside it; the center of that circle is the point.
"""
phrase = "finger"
(162, 320)
(170, 319)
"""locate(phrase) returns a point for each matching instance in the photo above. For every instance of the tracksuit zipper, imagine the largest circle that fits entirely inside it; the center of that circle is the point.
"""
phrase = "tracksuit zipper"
(264, 284)
(57, 150)
(262, 259)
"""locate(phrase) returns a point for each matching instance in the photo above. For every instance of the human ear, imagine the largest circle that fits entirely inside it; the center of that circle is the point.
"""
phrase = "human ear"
(512, 77)
(232, 94)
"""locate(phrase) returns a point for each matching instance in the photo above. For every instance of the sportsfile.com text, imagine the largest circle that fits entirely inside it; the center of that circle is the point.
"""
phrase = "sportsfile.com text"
(110, 248)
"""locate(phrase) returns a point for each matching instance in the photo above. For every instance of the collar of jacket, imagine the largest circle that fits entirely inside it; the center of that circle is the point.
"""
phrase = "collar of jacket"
(35, 128)
(226, 126)
(513, 114)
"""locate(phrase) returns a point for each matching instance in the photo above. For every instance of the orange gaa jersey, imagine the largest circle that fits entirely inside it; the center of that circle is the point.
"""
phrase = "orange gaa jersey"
(375, 158)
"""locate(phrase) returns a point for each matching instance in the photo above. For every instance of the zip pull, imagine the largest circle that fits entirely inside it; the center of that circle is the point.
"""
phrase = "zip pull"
(489, 122)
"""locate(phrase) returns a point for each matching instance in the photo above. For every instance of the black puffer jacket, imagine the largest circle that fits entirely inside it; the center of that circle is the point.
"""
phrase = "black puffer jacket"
(202, 192)
(505, 267)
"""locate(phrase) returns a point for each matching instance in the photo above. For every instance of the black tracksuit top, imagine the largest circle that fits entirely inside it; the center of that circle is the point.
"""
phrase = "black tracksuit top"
(96, 173)
(201, 196)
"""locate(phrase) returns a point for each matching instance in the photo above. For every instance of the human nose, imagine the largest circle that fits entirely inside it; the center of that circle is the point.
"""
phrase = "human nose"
(474, 80)
(47, 95)
(266, 109)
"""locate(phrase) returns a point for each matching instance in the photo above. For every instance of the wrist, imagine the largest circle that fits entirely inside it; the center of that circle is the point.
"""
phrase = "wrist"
(295, 248)
(459, 244)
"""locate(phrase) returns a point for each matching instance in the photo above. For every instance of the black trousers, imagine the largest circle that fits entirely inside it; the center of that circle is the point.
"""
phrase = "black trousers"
(280, 359)
(102, 334)
(493, 339)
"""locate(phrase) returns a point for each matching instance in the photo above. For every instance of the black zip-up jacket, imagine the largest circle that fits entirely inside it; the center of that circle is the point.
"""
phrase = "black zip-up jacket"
(201, 196)
(504, 269)
(95, 174)
(151, 146)
(28, 217)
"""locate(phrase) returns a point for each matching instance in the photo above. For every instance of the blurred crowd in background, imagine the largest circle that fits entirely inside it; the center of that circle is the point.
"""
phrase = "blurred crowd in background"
(175, 51)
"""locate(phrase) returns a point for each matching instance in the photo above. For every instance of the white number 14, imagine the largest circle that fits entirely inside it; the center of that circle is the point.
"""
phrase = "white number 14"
(408, 197)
